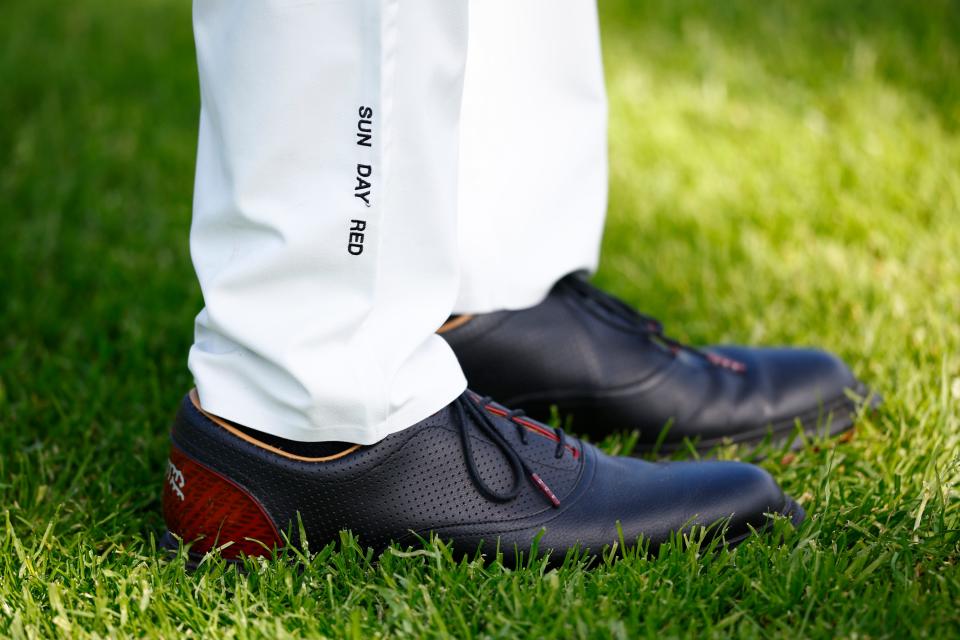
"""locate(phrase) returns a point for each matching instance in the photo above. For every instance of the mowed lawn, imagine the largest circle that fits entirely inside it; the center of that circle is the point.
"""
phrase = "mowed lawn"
(782, 173)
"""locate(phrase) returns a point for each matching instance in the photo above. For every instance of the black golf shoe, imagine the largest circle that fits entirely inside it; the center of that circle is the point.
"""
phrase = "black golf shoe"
(474, 473)
(612, 369)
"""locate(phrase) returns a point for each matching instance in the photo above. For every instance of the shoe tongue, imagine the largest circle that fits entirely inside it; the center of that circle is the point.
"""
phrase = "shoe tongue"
(605, 305)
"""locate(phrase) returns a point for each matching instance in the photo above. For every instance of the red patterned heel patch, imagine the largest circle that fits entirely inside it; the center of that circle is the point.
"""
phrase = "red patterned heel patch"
(204, 507)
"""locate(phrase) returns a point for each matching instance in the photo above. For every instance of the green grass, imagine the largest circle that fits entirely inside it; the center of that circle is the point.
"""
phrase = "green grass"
(782, 172)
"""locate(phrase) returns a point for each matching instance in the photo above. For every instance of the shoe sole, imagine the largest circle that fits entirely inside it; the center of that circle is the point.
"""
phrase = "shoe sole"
(170, 545)
(828, 421)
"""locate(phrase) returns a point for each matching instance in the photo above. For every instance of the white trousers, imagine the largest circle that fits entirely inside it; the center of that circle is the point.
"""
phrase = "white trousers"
(361, 174)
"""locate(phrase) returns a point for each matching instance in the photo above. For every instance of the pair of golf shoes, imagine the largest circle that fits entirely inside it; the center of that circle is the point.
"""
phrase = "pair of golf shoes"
(489, 478)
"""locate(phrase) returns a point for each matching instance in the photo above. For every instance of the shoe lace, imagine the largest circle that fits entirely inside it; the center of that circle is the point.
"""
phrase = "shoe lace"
(471, 411)
(647, 325)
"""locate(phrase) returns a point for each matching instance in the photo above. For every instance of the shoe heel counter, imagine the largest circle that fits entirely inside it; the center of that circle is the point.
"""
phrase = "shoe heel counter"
(203, 507)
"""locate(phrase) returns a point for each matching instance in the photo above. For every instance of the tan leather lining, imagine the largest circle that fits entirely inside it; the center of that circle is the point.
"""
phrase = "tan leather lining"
(195, 399)
(450, 325)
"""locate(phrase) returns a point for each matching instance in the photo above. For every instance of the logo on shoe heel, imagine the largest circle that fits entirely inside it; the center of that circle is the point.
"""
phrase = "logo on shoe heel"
(175, 479)
(219, 510)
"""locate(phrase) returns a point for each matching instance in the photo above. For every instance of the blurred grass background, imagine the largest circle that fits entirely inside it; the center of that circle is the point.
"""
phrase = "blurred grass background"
(782, 172)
